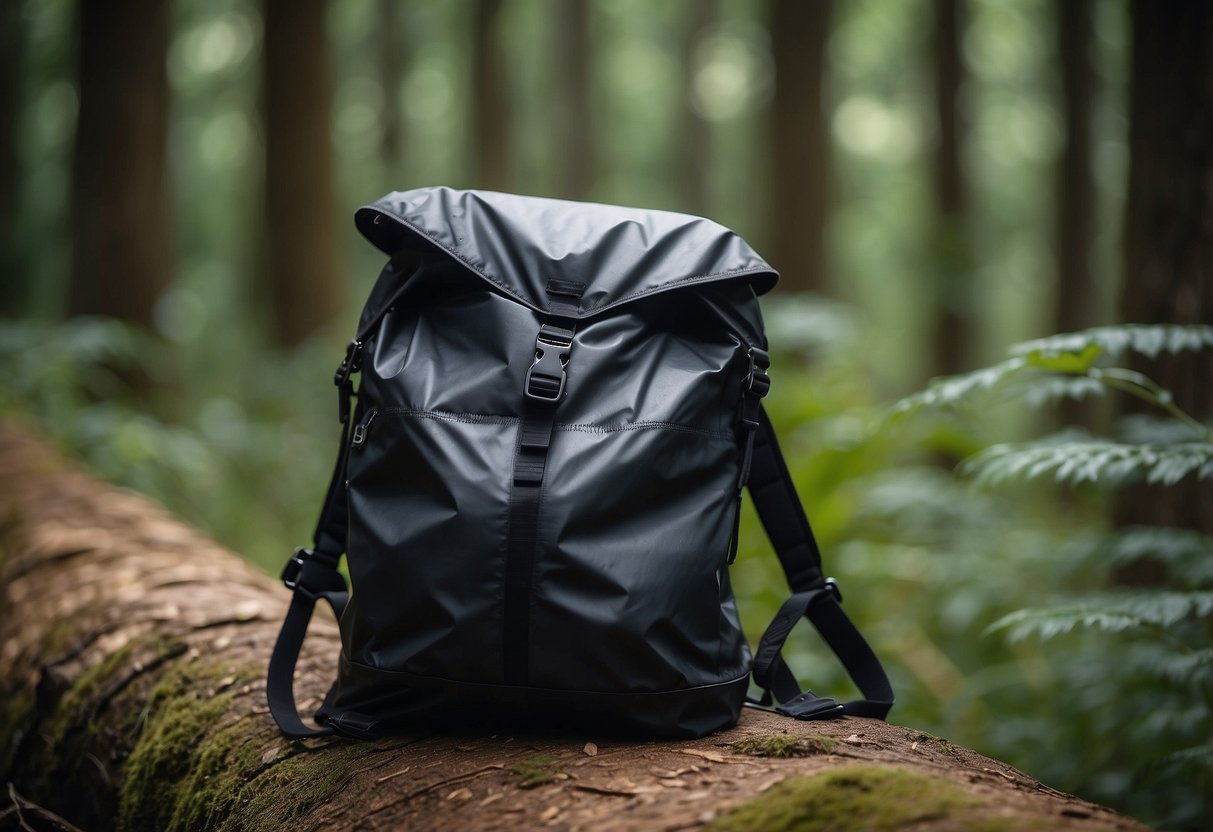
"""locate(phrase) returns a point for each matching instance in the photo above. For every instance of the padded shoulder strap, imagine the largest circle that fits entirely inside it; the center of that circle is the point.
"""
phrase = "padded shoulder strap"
(813, 597)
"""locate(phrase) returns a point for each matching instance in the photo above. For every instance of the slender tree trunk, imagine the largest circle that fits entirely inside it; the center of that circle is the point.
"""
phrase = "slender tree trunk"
(1075, 184)
(952, 260)
(800, 142)
(490, 121)
(393, 49)
(693, 155)
(121, 232)
(573, 113)
(300, 202)
(1169, 220)
(13, 298)
(132, 696)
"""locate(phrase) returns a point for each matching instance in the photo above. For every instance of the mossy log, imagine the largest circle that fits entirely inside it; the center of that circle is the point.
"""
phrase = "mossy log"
(132, 652)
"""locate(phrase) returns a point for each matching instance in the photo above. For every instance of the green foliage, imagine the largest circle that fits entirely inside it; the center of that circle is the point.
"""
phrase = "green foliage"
(1125, 671)
(1074, 461)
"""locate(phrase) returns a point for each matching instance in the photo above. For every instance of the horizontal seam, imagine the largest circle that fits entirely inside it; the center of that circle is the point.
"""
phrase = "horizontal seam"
(484, 418)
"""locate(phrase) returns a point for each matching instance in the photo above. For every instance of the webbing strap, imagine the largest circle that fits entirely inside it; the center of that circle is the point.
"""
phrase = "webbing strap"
(814, 598)
(543, 388)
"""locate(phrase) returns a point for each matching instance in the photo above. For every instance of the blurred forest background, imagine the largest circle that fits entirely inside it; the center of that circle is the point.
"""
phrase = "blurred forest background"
(937, 181)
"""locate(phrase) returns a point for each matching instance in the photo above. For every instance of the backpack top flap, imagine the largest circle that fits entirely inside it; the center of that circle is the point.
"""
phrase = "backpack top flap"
(518, 244)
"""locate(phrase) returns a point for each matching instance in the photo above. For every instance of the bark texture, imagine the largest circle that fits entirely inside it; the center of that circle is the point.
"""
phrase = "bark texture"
(131, 658)
(122, 249)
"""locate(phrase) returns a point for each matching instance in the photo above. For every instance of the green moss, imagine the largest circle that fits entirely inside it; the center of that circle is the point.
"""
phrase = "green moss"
(291, 788)
(185, 773)
(16, 708)
(786, 745)
(874, 798)
(534, 771)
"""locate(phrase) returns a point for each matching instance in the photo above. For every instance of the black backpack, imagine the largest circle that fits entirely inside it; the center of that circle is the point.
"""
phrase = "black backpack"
(540, 477)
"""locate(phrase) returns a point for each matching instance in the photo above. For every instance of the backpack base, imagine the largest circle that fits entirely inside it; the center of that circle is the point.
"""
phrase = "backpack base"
(403, 703)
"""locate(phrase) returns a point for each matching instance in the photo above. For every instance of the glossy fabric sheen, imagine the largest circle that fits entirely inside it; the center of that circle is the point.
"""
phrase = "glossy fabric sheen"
(630, 600)
(518, 243)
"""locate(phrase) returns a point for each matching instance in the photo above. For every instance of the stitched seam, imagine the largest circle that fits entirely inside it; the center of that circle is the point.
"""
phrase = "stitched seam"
(484, 418)
(650, 425)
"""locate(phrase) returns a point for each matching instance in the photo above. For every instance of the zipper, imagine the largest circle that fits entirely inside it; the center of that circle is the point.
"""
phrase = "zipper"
(362, 428)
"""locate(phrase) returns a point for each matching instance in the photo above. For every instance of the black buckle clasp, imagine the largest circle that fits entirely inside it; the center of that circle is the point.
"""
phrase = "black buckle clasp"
(546, 377)
(290, 572)
(757, 382)
(809, 705)
(351, 364)
(832, 586)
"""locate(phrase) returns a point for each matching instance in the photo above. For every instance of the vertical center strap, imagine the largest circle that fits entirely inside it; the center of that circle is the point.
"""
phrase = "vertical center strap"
(542, 390)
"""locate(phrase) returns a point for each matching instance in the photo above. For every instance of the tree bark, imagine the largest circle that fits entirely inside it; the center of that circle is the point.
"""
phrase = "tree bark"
(693, 161)
(573, 113)
(132, 654)
(121, 233)
(300, 194)
(392, 47)
(800, 142)
(490, 116)
(1169, 222)
(12, 49)
(1075, 203)
(952, 258)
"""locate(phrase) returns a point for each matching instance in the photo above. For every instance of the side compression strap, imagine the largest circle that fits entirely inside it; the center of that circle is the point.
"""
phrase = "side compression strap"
(311, 574)
(814, 597)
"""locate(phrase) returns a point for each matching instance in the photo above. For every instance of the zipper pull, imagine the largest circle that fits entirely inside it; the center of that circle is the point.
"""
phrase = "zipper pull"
(361, 429)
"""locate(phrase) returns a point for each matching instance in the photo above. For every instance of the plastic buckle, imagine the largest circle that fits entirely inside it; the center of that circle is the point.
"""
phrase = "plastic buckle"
(757, 382)
(832, 586)
(290, 572)
(545, 379)
(351, 364)
(809, 705)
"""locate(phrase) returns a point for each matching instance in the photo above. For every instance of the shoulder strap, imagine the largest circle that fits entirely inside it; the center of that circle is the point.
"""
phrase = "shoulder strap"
(814, 597)
(311, 574)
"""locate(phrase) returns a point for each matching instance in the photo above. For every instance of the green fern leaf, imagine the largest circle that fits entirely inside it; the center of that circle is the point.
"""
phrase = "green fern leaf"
(1119, 612)
(1145, 339)
(1076, 461)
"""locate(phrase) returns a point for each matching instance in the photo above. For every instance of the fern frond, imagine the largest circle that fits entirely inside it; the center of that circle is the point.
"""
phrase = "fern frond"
(1187, 554)
(952, 390)
(1073, 462)
(1145, 339)
(1113, 613)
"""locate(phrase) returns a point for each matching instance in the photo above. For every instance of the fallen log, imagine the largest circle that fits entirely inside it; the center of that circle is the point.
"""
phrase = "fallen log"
(132, 653)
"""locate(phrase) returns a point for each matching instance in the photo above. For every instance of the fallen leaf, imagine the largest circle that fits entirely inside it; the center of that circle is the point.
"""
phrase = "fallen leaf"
(271, 754)
(460, 794)
(550, 813)
(714, 756)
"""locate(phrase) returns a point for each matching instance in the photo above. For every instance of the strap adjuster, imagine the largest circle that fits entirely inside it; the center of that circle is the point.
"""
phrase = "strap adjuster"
(290, 572)
(545, 379)
(351, 364)
(757, 382)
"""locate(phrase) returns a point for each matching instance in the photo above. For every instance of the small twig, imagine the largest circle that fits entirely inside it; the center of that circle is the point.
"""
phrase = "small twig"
(600, 790)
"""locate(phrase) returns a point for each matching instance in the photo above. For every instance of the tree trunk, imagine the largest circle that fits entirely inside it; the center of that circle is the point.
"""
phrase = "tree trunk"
(952, 260)
(131, 676)
(13, 298)
(573, 113)
(300, 202)
(490, 121)
(393, 49)
(693, 159)
(121, 233)
(1075, 184)
(1169, 221)
(800, 142)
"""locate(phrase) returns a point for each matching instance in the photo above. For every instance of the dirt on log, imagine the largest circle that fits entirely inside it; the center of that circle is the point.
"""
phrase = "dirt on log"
(132, 653)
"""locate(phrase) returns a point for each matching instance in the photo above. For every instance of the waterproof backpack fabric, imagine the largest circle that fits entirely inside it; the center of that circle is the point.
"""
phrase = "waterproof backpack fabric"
(558, 405)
